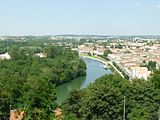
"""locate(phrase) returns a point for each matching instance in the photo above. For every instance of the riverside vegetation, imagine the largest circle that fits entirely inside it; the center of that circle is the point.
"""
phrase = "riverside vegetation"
(27, 82)
(104, 99)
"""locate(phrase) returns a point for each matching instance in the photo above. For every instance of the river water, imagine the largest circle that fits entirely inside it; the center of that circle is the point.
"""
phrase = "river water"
(94, 70)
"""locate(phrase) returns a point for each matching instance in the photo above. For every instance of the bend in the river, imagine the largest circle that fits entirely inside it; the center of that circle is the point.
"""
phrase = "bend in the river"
(95, 69)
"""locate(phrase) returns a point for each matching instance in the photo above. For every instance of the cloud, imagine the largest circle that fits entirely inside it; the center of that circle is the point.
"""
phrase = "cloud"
(158, 6)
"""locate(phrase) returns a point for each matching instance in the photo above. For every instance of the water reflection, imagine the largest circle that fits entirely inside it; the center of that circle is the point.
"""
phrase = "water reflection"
(64, 90)
(94, 70)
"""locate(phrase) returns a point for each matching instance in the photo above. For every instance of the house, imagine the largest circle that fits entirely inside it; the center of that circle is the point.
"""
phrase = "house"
(5, 56)
(140, 72)
(41, 55)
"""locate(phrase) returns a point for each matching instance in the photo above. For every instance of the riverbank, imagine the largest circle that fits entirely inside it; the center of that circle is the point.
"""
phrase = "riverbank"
(107, 63)
(97, 58)
(94, 71)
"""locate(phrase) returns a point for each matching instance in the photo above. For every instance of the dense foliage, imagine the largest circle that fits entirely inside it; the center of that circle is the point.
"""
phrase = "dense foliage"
(28, 81)
(104, 100)
(155, 78)
(105, 55)
(151, 65)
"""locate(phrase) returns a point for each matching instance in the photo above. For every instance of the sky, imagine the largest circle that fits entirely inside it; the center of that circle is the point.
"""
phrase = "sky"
(98, 17)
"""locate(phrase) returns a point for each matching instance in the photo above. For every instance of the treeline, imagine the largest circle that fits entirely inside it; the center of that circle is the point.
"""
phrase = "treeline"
(27, 82)
(122, 71)
(104, 100)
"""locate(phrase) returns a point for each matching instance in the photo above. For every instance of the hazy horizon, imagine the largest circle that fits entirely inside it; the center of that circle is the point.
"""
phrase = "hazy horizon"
(85, 17)
(79, 35)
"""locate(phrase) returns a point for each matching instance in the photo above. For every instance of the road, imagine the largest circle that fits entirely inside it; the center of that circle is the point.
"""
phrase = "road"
(104, 62)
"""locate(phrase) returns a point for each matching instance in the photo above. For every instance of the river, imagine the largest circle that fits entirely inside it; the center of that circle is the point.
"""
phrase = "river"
(94, 70)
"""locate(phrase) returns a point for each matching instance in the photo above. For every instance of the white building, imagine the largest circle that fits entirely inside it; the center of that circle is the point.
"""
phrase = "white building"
(41, 55)
(5, 56)
(140, 72)
(98, 52)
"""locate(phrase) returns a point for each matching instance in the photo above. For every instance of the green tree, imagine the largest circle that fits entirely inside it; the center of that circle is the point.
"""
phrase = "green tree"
(104, 100)
(106, 52)
(151, 65)
(155, 78)
(28, 82)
